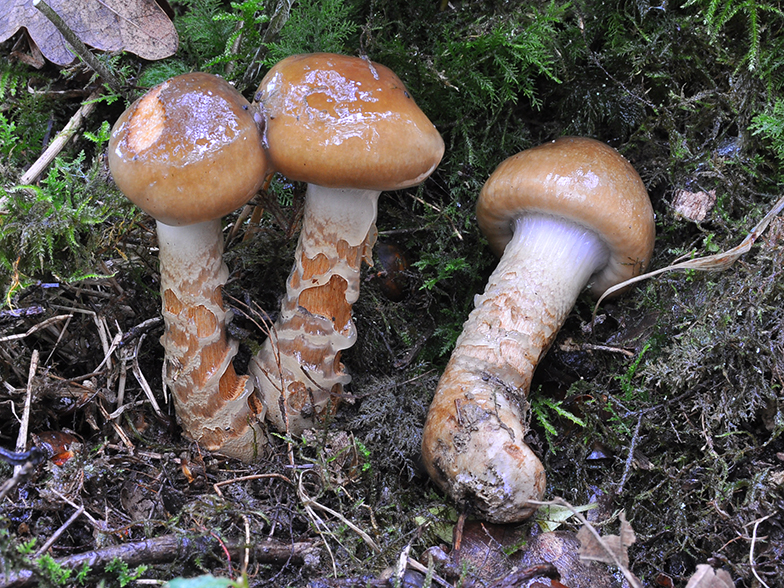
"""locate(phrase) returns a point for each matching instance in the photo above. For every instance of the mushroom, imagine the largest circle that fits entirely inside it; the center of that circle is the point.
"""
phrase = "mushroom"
(349, 128)
(564, 215)
(188, 152)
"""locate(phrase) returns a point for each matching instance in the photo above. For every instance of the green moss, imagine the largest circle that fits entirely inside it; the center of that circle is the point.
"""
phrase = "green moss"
(49, 230)
(320, 26)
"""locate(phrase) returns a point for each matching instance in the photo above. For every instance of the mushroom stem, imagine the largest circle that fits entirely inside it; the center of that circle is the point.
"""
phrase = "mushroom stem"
(473, 444)
(298, 370)
(214, 404)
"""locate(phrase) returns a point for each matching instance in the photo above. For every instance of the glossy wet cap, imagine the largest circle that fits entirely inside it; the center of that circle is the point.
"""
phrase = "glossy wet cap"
(189, 150)
(581, 180)
(346, 122)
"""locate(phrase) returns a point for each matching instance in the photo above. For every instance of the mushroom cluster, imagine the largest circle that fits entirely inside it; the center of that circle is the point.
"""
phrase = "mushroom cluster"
(192, 150)
(349, 128)
(188, 152)
(564, 215)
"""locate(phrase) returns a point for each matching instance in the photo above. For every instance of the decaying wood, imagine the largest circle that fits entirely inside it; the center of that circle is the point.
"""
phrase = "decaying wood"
(169, 548)
(517, 577)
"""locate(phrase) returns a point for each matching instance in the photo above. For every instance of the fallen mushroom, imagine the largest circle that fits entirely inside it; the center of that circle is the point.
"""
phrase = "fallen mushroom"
(566, 214)
(188, 152)
(349, 128)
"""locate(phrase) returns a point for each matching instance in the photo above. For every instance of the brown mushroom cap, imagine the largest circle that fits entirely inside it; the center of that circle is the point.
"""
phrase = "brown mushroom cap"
(188, 151)
(581, 180)
(346, 122)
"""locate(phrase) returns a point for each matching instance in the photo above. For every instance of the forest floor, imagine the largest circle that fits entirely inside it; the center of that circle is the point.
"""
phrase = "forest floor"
(665, 409)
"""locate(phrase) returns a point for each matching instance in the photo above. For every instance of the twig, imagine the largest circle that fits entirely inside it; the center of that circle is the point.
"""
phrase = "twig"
(21, 439)
(169, 548)
(122, 379)
(141, 328)
(12, 482)
(107, 358)
(117, 428)
(137, 372)
(80, 48)
(414, 564)
(402, 560)
(592, 347)
(307, 501)
(97, 525)
(246, 551)
(36, 328)
(51, 541)
(103, 336)
(62, 138)
(751, 550)
(321, 526)
(217, 485)
(276, 22)
(630, 457)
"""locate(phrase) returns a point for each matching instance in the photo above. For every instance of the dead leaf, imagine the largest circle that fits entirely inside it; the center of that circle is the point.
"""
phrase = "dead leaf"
(609, 549)
(707, 577)
(551, 517)
(137, 26)
(718, 262)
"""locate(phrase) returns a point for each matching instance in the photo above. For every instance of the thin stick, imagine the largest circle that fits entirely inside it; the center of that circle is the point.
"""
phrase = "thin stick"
(246, 553)
(117, 428)
(60, 141)
(591, 347)
(630, 458)
(137, 372)
(36, 328)
(51, 541)
(169, 548)
(107, 358)
(12, 482)
(217, 485)
(21, 439)
(308, 502)
(122, 381)
(80, 48)
(414, 564)
(751, 550)
(98, 525)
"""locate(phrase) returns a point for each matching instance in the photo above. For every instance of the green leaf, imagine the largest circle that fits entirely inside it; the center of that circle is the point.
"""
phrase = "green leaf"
(441, 521)
(550, 517)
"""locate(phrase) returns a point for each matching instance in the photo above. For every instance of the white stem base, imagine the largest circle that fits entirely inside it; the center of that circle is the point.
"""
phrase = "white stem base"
(214, 405)
(473, 443)
(298, 369)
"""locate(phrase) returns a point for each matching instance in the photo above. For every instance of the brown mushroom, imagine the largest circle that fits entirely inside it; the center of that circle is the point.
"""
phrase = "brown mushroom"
(349, 128)
(188, 152)
(568, 214)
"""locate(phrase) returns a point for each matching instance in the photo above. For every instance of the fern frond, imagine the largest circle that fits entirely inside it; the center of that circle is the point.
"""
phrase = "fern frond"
(770, 125)
(322, 25)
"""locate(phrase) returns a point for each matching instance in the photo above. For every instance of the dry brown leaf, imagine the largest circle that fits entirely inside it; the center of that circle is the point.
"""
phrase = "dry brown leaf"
(718, 262)
(137, 26)
(610, 549)
(707, 577)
